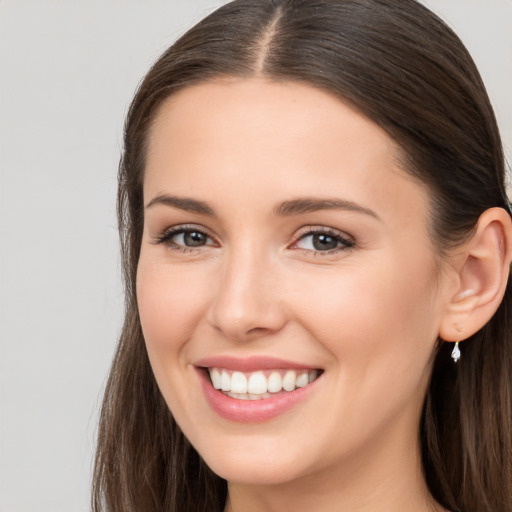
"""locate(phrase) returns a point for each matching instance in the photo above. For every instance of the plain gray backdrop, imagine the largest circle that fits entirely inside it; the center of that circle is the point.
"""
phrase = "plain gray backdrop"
(68, 69)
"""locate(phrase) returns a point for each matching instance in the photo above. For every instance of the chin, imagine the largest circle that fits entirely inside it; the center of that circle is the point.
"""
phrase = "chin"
(251, 473)
(254, 461)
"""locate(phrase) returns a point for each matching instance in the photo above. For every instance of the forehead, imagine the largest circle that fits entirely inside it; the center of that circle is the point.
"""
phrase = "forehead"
(222, 112)
(245, 137)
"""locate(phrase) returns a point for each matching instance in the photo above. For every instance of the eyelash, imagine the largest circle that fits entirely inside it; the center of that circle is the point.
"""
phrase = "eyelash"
(345, 242)
(166, 238)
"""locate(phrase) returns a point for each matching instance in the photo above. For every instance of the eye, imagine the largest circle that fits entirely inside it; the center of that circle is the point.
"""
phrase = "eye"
(323, 240)
(190, 238)
(185, 239)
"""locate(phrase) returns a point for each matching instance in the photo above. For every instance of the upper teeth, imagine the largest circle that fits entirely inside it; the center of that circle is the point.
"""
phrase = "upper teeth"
(259, 383)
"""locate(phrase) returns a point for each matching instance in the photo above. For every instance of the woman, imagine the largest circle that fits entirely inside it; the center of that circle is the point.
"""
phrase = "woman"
(313, 216)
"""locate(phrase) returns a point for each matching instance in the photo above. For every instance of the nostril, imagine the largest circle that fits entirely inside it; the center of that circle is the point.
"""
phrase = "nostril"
(258, 330)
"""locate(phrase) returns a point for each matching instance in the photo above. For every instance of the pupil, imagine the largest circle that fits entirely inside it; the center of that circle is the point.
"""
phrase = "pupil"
(324, 242)
(194, 239)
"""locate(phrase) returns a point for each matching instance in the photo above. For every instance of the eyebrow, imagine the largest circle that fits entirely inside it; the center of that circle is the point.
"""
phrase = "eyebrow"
(183, 203)
(312, 204)
(285, 209)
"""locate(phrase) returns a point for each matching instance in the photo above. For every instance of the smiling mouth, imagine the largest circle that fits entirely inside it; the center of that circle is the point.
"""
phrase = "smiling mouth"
(262, 384)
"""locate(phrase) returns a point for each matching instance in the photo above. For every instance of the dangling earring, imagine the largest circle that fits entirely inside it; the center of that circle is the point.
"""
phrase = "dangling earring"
(456, 352)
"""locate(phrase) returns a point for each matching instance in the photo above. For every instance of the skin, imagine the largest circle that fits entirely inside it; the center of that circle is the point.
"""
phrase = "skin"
(368, 314)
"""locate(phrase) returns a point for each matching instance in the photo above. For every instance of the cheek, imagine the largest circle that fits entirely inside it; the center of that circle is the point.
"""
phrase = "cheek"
(379, 326)
(171, 302)
(373, 313)
(170, 306)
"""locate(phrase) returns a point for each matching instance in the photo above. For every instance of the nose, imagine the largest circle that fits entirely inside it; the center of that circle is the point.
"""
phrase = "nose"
(248, 302)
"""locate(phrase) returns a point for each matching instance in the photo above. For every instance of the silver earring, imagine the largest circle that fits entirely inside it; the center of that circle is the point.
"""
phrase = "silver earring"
(456, 352)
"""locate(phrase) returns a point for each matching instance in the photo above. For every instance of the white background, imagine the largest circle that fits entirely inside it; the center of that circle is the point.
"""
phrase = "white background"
(68, 69)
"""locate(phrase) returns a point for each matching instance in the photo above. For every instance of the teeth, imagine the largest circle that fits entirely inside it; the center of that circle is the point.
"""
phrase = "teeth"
(216, 377)
(302, 380)
(238, 383)
(225, 381)
(289, 380)
(275, 382)
(248, 396)
(257, 385)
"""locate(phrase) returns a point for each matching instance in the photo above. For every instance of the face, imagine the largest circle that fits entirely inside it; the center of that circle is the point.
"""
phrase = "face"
(285, 260)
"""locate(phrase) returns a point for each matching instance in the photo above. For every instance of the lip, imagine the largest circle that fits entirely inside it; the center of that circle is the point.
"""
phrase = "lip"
(251, 411)
(250, 364)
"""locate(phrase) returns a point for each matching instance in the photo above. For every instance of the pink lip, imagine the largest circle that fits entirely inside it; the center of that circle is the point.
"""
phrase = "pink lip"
(249, 364)
(251, 411)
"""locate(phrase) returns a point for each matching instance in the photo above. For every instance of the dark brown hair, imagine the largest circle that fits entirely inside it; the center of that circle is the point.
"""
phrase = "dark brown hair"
(403, 68)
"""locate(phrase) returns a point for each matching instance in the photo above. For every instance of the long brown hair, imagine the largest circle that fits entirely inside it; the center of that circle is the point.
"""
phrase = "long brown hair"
(403, 68)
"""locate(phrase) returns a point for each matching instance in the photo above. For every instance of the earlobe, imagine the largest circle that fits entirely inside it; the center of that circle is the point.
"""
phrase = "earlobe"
(482, 270)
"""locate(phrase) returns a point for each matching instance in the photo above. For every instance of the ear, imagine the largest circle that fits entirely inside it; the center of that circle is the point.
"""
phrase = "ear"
(481, 273)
